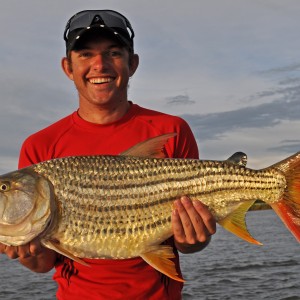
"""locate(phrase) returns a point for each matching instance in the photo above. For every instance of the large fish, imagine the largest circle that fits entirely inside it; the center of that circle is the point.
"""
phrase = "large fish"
(120, 206)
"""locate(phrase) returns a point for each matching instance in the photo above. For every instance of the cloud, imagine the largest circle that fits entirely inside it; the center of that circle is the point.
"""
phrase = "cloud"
(180, 100)
(217, 125)
(285, 69)
(30, 105)
(290, 92)
(287, 84)
(288, 146)
(265, 125)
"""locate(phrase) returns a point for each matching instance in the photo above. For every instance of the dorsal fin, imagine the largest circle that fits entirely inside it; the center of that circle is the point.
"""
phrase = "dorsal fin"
(152, 147)
(239, 158)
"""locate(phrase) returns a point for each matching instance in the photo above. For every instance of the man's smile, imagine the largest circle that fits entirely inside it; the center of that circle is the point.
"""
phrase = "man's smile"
(100, 80)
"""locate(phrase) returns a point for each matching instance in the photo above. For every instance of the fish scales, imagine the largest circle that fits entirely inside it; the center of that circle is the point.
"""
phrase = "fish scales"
(121, 196)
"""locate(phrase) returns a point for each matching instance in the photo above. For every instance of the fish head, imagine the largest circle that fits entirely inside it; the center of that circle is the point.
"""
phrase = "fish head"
(26, 207)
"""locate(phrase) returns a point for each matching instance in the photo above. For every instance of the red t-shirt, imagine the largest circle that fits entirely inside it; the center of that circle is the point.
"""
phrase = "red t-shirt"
(108, 278)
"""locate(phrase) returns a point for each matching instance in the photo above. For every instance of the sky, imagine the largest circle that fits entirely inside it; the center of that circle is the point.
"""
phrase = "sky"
(230, 68)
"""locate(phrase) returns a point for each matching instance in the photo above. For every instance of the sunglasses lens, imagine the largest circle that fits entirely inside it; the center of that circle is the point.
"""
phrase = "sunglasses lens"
(108, 18)
(114, 20)
(81, 21)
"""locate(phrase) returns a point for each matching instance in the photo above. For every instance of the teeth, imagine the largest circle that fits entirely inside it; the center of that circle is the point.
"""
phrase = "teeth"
(100, 80)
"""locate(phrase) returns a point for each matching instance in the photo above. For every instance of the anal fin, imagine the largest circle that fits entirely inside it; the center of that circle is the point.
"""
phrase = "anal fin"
(159, 258)
(235, 223)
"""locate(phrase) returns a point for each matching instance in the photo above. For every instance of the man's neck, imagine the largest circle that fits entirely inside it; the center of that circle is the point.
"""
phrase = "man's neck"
(103, 114)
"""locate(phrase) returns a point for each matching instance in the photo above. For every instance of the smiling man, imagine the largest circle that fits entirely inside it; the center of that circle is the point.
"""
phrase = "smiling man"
(100, 60)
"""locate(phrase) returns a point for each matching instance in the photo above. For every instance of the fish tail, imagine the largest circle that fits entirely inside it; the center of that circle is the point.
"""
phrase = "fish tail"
(288, 208)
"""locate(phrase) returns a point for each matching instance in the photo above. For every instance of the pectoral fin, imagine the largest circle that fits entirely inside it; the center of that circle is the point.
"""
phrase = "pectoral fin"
(59, 249)
(159, 258)
(235, 223)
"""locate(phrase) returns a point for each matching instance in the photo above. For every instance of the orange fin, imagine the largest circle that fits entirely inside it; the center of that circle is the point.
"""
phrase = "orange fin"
(59, 249)
(159, 258)
(235, 223)
(150, 148)
(288, 208)
(288, 217)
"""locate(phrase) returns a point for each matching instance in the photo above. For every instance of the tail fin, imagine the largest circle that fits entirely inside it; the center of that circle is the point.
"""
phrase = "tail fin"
(288, 208)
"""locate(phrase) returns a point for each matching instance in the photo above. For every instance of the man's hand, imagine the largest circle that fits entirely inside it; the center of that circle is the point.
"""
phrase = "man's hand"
(193, 225)
(32, 255)
(31, 249)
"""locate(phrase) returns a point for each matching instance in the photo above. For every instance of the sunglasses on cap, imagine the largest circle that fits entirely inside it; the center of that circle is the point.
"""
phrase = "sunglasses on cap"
(112, 20)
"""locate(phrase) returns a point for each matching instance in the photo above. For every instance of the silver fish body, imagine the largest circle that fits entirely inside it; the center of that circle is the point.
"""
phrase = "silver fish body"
(105, 201)
(131, 201)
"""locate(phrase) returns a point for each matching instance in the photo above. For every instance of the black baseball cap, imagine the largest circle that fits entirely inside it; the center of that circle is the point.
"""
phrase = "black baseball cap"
(108, 21)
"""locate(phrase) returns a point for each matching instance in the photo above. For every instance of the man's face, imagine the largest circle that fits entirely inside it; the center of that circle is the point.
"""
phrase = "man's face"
(100, 70)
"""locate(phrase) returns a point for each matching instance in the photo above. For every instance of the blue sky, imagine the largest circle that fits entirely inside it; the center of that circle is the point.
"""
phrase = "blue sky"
(231, 68)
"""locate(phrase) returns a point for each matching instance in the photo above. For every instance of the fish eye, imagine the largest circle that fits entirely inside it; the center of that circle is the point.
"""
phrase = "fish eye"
(4, 186)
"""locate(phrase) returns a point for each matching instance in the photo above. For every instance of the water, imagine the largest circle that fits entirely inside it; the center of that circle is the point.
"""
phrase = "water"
(233, 269)
(228, 269)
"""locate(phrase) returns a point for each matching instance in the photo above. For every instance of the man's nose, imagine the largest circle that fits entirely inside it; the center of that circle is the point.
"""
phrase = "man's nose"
(100, 61)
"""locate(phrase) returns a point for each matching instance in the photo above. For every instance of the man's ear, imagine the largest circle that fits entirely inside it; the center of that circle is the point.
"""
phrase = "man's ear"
(133, 64)
(67, 67)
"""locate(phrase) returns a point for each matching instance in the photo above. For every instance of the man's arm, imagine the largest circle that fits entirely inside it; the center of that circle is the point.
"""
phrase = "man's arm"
(193, 225)
(32, 255)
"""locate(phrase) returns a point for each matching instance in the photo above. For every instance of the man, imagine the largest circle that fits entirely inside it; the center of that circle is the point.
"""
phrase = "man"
(100, 60)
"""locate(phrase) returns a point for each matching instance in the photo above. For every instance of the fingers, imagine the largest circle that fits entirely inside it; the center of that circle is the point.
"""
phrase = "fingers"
(178, 229)
(192, 221)
(206, 216)
(23, 251)
(31, 249)
(10, 251)
(35, 247)
(184, 231)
